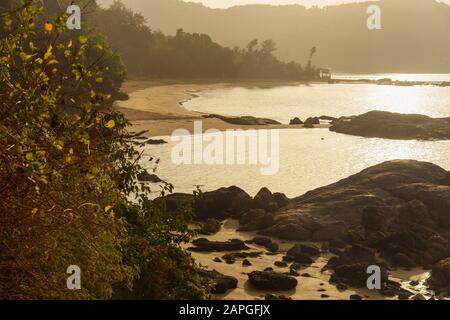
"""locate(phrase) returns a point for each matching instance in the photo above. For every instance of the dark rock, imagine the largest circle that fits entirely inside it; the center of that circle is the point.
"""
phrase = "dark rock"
(295, 121)
(328, 118)
(296, 266)
(336, 251)
(222, 283)
(310, 122)
(330, 231)
(389, 125)
(272, 281)
(261, 241)
(280, 264)
(354, 275)
(246, 263)
(241, 203)
(418, 297)
(217, 259)
(244, 120)
(264, 199)
(268, 269)
(306, 275)
(293, 273)
(310, 250)
(281, 199)
(440, 276)
(341, 287)
(402, 260)
(155, 141)
(255, 219)
(221, 203)
(270, 296)
(288, 230)
(240, 255)
(303, 258)
(414, 283)
(211, 226)
(355, 297)
(324, 296)
(273, 247)
(265, 242)
(337, 243)
(204, 245)
(446, 180)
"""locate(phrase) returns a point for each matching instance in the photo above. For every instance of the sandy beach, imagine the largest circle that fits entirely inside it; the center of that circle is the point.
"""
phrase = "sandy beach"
(157, 107)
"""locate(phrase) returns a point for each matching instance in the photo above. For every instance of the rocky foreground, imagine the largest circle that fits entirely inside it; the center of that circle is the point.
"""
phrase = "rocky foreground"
(394, 215)
(389, 125)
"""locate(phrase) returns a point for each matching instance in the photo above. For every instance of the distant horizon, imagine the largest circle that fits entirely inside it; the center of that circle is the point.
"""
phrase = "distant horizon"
(307, 3)
(224, 4)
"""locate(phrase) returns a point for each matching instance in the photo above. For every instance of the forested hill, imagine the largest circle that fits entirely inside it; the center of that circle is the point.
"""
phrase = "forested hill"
(414, 35)
(151, 54)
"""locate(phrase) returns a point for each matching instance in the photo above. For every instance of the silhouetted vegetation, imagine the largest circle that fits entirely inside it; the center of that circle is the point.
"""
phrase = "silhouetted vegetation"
(151, 54)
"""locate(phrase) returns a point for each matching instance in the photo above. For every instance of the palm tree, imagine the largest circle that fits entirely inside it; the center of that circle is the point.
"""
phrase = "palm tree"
(311, 55)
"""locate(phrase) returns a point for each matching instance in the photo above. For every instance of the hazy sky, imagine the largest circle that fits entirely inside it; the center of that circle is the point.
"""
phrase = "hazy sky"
(308, 3)
(230, 3)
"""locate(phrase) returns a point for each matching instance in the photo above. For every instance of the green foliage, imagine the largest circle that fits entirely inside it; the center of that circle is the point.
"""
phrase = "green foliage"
(67, 170)
(150, 54)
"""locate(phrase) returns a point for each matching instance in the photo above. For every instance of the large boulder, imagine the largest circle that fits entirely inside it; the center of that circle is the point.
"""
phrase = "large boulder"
(310, 122)
(299, 251)
(390, 125)
(264, 199)
(255, 219)
(355, 275)
(221, 203)
(267, 280)
(221, 283)
(289, 230)
(399, 207)
(440, 276)
(295, 121)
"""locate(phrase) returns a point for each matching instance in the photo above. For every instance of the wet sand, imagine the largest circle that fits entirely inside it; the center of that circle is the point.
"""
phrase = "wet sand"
(157, 107)
(307, 288)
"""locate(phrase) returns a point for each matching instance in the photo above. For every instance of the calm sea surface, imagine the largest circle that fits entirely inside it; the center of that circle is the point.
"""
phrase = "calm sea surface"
(316, 157)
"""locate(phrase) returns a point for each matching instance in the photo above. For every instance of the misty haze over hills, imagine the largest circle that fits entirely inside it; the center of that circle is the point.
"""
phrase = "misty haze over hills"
(415, 35)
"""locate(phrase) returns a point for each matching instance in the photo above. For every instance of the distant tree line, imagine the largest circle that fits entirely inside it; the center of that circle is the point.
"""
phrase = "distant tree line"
(151, 54)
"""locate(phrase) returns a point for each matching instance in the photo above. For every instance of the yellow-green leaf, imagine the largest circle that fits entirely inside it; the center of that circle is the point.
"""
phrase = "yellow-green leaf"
(110, 124)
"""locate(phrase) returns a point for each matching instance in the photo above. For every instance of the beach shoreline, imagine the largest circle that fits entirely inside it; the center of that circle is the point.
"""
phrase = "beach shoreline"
(156, 107)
